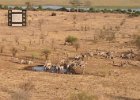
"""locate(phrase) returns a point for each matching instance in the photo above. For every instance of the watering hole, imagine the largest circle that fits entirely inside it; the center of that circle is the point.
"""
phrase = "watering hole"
(53, 69)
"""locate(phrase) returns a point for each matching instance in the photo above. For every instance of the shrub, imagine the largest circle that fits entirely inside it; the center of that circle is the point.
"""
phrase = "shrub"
(17, 40)
(62, 9)
(40, 7)
(137, 42)
(71, 39)
(76, 45)
(53, 14)
(82, 96)
(5, 7)
(1, 49)
(19, 8)
(14, 51)
(133, 14)
(46, 53)
(23, 92)
(107, 34)
(33, 56)
(0, 6)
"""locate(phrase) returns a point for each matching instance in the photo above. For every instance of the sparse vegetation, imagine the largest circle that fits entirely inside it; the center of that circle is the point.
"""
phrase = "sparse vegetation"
(82, 96)
(40, 7)
(74, 17)
(76, 45)
(137, 42)
(0, 6)
(14, 51)
(71, 39)
(23, 92)
(46, 53)
(107, 34)
(53, 14)
(1, 49)
(87, 58)
(29, 5)
(17, 40)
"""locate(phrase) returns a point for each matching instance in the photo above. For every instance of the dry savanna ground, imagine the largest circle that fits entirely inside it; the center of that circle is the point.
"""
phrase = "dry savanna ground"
(102, 80)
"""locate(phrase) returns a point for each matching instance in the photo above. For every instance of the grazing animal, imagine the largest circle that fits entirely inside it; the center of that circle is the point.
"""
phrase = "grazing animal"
(109, 55)
(106, 54)
(61, 69)
(78, 57)
(30, 62)
(48, 64)
(53, 69)
(128, 55)
(23, 61)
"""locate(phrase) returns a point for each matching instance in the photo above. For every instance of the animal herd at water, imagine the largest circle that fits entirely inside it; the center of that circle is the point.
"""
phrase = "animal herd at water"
(70, 65)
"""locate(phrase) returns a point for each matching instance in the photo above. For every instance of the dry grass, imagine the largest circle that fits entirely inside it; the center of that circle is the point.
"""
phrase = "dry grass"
(103, 79)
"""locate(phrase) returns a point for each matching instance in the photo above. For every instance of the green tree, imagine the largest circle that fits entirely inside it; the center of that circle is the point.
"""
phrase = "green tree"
(40, 7)
(5, 7)
(0, 6)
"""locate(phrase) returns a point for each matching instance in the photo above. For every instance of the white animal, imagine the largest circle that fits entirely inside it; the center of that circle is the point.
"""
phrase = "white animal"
(48, 64)
(23, 61)
(30, 62)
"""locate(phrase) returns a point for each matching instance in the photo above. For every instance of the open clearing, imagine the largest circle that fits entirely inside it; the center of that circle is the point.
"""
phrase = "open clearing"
(104, 80)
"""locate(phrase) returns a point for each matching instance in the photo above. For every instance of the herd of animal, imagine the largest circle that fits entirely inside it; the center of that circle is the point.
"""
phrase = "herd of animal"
(71, 64)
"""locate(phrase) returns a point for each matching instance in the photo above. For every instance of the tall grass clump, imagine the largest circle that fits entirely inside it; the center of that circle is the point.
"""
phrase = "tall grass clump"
(71, 39)
(23, 92)
(82, 96)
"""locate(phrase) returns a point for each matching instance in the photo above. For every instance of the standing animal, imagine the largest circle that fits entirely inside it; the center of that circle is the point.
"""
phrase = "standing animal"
(106, 54)
(128, 55)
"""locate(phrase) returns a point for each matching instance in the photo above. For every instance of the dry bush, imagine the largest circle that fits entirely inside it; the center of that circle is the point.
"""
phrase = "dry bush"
(46, 53)
(42, 37)
(3, 39)
(53, 44)
(85, 28)
(82, 96)
(53, 14)
(71, 39)
(17, 40)
(106, 34)
(137, 42)
(74, 18)
(33, 56)
(23, 92)
(29, 5)
(20, 95)
(14, 51)
(76, 45)
(1, 49)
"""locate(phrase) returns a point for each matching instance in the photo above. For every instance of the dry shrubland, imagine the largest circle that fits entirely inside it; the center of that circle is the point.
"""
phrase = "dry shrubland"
(107, 43)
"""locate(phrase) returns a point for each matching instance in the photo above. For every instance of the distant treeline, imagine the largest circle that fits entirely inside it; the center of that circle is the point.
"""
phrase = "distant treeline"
(131, 12)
